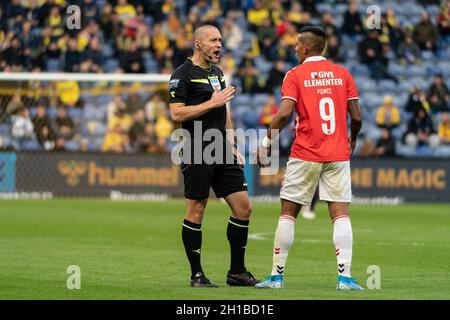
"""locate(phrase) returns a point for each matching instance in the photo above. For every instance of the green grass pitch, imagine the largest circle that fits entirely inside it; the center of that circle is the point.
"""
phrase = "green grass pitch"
(133, 250)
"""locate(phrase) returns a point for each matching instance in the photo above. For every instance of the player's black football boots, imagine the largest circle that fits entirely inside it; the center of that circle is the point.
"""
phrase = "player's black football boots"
(200, 281)
(244, 279)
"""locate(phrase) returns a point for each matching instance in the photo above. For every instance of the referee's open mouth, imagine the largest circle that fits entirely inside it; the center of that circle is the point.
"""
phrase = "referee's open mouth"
(216, 54)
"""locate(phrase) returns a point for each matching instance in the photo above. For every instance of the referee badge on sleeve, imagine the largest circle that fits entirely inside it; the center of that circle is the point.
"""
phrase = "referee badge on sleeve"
(215, 84)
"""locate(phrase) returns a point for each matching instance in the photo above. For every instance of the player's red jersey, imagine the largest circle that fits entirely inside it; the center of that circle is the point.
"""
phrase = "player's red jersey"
(321, 90)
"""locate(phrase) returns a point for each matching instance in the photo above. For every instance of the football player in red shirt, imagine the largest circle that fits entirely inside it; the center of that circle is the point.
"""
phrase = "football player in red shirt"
(322, 93)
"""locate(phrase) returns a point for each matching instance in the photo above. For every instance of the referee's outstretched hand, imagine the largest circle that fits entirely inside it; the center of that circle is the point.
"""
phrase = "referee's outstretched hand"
(218, 99)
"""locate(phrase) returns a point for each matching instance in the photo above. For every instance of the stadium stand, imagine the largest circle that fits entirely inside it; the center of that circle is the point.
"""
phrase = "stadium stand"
(407, 58)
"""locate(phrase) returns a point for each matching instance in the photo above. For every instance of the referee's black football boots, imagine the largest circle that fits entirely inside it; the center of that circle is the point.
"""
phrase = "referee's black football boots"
(244, 279)
(200, 281)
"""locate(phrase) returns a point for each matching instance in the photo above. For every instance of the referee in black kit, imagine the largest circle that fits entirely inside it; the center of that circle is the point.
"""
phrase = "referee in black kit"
(198, 95)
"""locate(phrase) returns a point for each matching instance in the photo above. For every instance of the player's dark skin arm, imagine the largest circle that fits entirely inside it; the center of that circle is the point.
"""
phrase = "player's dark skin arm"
(279, 121)
(356, 122)
(180, 112)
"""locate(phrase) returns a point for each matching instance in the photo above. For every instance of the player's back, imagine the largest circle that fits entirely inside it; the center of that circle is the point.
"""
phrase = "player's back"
(321, 90)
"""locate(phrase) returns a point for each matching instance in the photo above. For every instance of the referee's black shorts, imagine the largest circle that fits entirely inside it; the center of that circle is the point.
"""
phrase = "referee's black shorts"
(224, 179)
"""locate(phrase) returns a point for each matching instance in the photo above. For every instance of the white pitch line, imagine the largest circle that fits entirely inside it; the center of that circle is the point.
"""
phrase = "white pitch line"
(258, 236)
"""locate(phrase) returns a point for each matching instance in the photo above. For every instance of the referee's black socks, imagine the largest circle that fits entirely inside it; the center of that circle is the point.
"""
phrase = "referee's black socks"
(192, 240)
(237, 233)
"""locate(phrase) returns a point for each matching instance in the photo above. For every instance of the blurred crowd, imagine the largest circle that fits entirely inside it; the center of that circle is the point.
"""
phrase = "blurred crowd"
(155, 36)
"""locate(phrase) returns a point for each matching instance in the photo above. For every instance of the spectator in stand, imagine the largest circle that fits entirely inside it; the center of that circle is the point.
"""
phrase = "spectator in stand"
(11, 51)
(14, 14)
(385, 146)
(283, 51)
(22, 128)
(72, 57)
(277, 12)
(388, 115)
(68, 92)
(149, 142)
(182, 49)
(439, 95)
(122, 118)
(137, 130)
(227, 63)
(276, 76)
(132, 61)
(333, 50)
(367, 148)
(409, 51)
(248, 76)
(90, 11)
(159, 42)
(329, 25)
(14, 105)
(294, 15)
(125, 11)
(352, 21)
(64, 125)
(94, 55)
(443, 20)
(113, 106)
(163, 128)
(43, 128)
(444, 128)
(109, 22)
(390, 35)
(267, 37)
(115, 140)
(269, 110)
(371, 53)
(56, 23)
(154, 104)
(257, 15)
(291, 34)
(134, 101)
(420, 131)
(309, 6)
(426, 33)
(417, 100)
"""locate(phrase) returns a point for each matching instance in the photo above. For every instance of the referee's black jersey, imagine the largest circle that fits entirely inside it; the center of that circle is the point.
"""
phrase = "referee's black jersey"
(193, 85)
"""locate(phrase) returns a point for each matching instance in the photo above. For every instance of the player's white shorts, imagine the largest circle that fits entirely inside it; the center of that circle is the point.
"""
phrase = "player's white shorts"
(301, 178)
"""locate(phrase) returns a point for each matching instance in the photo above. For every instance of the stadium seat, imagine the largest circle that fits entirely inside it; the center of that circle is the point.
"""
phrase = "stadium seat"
(51, 112)
(424, 151)
(5, 141)
(404, 150)
(53, 65)
(111, 65)
(397, 133)
(251, 119)
(397, 69)
(442, 151)
(416, 70)
(386, 85)
(72, 145)
(242, 99)
(75, 114)
(5, 129)
(259, 100)
(30, 145)
(360, 69)
(428, 55)
(373, 132)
